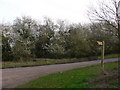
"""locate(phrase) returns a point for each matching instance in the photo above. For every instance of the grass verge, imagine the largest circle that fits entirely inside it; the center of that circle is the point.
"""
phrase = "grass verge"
(77, 78)
(40, 62)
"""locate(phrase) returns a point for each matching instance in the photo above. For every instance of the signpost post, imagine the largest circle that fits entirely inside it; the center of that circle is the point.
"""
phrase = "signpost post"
(102, 59)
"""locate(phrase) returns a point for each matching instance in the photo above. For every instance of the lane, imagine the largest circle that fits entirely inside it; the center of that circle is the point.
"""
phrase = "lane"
(13, 77)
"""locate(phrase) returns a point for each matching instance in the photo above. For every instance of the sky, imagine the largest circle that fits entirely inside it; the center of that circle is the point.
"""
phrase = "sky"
(71, 10)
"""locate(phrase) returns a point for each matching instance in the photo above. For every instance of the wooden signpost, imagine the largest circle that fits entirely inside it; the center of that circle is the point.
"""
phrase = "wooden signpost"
(102, 59)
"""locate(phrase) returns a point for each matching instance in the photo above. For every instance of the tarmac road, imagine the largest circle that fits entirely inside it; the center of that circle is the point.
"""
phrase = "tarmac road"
(13, 77)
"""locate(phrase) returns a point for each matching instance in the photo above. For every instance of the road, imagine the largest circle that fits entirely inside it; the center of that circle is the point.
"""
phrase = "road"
(13, 77)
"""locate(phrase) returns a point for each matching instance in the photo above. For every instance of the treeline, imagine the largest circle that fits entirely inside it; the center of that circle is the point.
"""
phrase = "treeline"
(27, 38)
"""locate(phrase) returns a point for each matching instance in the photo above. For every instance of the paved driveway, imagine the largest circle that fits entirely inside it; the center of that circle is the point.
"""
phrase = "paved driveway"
(13, 77)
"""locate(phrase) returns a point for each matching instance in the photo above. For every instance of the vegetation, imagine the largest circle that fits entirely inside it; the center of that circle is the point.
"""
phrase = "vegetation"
(77, 78)
(6, 49)
(107, 13)
(26, 38)
(45, 61)
(29, 42)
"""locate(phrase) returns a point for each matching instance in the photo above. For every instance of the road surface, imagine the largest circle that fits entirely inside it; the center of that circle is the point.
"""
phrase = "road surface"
(13, 77)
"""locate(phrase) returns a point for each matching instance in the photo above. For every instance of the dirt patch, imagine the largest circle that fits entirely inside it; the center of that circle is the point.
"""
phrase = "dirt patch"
(106, 81)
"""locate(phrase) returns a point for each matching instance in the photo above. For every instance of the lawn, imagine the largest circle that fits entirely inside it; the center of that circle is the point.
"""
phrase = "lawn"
(40, 62)
(76, 78)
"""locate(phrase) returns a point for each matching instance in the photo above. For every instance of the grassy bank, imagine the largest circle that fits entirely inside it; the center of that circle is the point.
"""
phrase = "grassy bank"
(77, 78)
(110, 56)
(40, 62)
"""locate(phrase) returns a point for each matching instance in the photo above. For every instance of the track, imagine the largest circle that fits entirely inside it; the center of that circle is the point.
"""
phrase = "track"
(13, 77)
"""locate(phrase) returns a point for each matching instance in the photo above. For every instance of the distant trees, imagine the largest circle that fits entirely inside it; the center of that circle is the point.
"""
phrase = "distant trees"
(77, 42)
(24, 29)
(44, 38)
(100, 32)
(107, 13)
(27, 38)
(7, 54)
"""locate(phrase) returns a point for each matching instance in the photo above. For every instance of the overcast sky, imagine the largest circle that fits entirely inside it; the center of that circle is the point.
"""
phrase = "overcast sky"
(72, 10)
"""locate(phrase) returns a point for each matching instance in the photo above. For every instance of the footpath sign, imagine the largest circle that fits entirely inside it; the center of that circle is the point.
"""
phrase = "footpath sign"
(102, 51)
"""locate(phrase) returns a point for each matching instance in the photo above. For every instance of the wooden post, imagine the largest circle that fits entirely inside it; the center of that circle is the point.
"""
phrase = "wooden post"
(102, 60)
(102, 44)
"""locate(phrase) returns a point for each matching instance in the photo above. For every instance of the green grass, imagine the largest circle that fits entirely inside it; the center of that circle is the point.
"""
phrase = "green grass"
(40, 62)
(110, 56)
(77, 78)
(113, 83)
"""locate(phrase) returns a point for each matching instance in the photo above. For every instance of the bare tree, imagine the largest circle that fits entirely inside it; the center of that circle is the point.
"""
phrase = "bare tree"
(106, 13)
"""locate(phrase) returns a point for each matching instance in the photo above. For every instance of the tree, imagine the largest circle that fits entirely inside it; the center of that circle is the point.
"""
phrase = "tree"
(7, 54)
(107, 13)
(77, 43)
(56, 48)
(45, 36)
(21, 51)
(99, 32)
(24, 29)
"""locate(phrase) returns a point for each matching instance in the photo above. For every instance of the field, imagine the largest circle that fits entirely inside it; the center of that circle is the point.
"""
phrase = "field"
(88, 77)
(40, 62)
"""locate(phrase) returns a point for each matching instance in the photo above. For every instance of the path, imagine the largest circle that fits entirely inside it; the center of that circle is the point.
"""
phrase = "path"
(13, 77)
